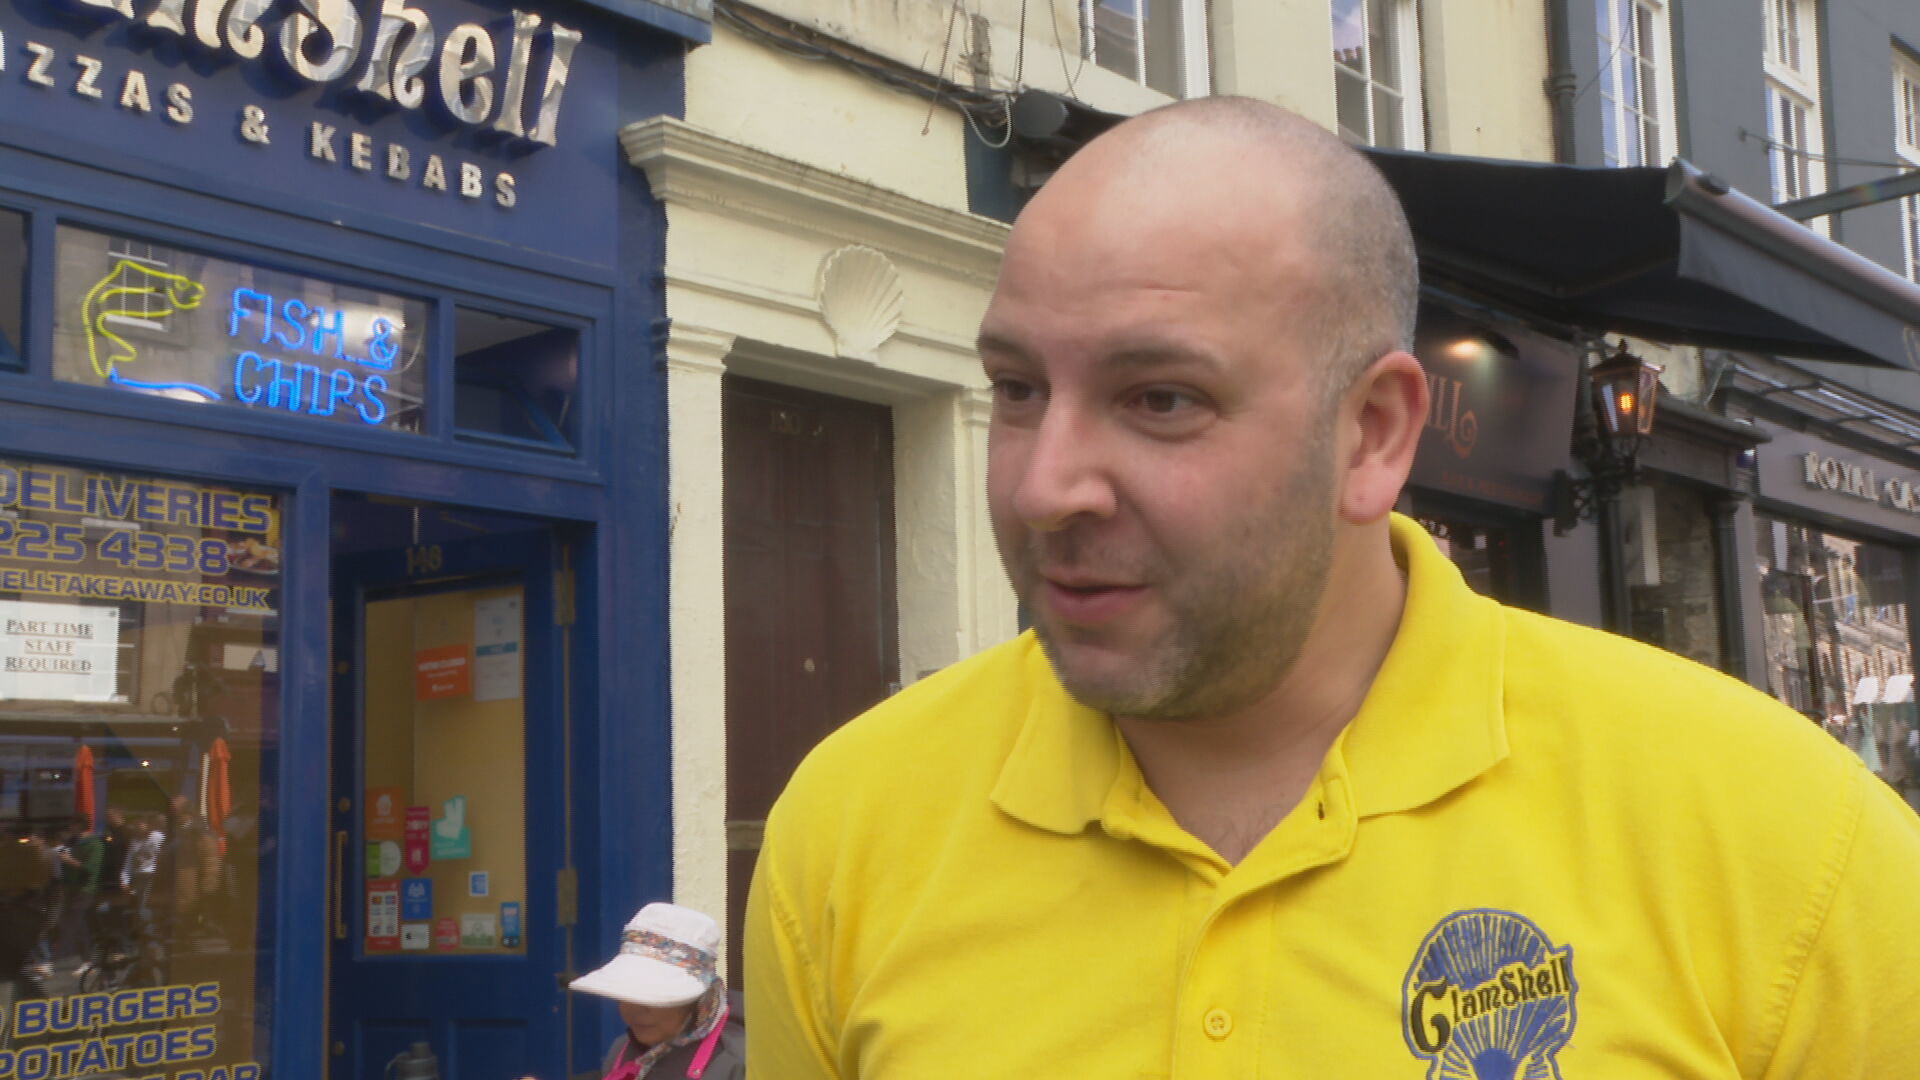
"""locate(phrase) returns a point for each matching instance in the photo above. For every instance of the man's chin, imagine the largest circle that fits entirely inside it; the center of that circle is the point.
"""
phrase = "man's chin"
(1101, 676)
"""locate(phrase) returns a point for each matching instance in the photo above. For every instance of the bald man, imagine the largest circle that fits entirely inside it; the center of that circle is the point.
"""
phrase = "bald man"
(1268, 791)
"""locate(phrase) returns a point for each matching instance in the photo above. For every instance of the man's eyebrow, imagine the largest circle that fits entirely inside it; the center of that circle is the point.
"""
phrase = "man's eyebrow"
(1160, 354)
(1133, 355)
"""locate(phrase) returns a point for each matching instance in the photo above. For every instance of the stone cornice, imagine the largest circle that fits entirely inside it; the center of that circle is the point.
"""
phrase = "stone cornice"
(697, 350)
(695, 168)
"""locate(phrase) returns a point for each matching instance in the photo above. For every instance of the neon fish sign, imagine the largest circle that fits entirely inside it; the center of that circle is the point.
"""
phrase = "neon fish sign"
(270, 381)
(180, 325)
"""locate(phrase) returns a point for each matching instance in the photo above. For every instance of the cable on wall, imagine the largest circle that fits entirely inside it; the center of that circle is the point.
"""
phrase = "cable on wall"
(982, 110)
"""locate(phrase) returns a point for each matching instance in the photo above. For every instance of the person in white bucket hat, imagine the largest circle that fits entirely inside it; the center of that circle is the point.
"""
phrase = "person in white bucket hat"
(672, 998)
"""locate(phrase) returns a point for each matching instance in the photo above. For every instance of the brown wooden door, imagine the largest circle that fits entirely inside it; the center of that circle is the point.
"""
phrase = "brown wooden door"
(811, 621)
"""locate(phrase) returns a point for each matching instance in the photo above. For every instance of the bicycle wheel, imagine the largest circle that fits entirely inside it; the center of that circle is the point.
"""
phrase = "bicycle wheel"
(94, 979)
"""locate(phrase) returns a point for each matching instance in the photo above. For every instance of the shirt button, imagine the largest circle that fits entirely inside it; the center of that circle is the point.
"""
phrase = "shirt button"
(1218, 1023)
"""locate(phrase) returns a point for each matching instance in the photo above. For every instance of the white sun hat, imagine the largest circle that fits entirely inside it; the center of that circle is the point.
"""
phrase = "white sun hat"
(667, 958)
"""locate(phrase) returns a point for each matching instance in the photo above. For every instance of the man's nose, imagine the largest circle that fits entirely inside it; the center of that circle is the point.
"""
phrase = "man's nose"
(1065, 474)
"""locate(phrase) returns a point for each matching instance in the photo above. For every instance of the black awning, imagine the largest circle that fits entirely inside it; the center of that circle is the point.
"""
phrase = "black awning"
(1668, 254)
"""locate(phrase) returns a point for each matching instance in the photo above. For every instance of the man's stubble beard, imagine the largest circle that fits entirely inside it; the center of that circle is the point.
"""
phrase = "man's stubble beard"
(1238, 622)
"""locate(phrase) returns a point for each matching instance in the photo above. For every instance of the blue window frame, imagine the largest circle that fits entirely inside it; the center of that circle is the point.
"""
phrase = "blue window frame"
(515, 381)
(13, 287)
(483, 377)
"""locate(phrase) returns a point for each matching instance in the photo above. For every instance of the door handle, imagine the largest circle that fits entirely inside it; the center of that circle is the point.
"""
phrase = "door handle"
(339, 884)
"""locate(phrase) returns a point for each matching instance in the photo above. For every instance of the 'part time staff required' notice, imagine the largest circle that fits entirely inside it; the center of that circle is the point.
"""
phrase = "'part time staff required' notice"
(153, 1033)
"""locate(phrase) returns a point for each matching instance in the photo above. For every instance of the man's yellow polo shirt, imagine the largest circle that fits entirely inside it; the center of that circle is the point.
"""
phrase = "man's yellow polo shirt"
(1538, 851)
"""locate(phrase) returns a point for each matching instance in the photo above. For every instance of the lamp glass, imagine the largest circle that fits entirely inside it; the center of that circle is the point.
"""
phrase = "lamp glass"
(1626, 392)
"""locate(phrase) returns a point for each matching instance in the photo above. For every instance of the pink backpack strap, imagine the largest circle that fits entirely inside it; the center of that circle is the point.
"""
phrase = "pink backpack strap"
(707, 1046)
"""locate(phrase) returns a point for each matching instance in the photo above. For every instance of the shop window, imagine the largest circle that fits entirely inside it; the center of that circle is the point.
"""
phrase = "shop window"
(1673, 571)
(139, 705)
(13, 288)
(1376, 73)
(516, 381)
(149, 319)
(1835, 620)
(1484, 556)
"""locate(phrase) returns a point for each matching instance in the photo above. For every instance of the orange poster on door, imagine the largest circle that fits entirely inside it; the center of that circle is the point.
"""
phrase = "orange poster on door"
(384, 807)
(443, 672)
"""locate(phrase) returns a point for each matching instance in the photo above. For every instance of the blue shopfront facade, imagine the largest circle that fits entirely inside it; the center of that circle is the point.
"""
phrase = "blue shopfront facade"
(332, 528)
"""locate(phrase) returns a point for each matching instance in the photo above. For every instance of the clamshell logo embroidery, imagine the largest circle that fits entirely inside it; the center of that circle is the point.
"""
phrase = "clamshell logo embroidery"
(1489, 997)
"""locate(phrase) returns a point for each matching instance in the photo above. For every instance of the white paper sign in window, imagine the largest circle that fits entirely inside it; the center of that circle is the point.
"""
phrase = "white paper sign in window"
(58, 652)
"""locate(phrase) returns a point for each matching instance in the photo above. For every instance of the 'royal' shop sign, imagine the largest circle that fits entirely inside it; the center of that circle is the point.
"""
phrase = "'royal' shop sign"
(482, 120)
(1811, 474)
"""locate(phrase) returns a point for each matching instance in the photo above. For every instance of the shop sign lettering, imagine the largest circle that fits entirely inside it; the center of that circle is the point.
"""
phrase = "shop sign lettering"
(509, 85)
(1859, 482)
(149, 1032)
(1448, 417)
(84, 539)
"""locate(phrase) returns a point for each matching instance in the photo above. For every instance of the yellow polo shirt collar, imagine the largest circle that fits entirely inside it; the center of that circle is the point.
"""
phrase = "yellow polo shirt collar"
(1432, 722)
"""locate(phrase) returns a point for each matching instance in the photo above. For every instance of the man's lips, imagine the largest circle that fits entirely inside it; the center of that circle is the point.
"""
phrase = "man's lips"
(1086, 601)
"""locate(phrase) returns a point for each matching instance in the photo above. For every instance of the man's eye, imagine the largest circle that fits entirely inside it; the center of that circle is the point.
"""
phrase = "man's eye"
(1014, 391)
(1164, 402)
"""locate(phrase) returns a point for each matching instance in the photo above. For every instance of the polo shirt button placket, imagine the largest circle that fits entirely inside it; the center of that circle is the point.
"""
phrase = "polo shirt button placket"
(1218, 1024)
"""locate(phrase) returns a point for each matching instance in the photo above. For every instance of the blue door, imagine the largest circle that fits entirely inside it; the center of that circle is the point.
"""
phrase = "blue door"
(448, 807)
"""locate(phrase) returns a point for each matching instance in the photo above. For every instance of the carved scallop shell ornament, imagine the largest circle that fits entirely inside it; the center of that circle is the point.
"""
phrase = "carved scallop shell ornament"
(860, 300)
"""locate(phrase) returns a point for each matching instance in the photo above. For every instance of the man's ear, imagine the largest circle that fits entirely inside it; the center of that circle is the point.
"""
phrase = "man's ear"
(1383, 413)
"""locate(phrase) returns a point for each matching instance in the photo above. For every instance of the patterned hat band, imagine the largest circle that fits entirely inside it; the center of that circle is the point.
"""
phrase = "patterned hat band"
(696, 962)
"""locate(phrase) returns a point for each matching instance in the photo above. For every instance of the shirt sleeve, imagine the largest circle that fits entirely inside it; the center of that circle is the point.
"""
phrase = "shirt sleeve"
(1854, 1009)
(786, 1034)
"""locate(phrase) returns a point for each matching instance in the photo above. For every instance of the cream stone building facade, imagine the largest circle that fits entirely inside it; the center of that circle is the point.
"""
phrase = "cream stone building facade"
(820, 236)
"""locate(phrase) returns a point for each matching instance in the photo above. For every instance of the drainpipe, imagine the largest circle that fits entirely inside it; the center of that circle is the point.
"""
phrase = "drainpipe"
(1562, 86)
(1728, 553)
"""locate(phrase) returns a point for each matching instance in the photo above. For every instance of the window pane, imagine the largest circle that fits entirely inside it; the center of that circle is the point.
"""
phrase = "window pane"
(1383, 46)
(139, 731)
(1787, 123)
(446, 745)
(516, 379)
(1484, 555)
(1786, 34)
(1630, 89)
(1610, 133)
(1350, 33)
(1680, 612)
(1645, 44)
(1797, 163)
(160, 321)
(1116, 37)
(1912, 112)
(13, 278)
(1351, 92)
(1165, 71)
(1911, 223)
(1388, 119)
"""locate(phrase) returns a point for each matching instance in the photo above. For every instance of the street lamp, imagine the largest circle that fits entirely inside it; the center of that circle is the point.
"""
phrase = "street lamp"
(1625, 393)
(1620, 394)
